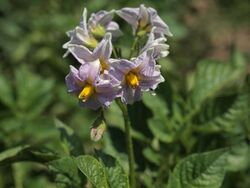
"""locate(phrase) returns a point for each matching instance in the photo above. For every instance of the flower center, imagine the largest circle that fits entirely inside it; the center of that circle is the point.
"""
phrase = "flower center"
(86, 92)
(143, 22)
(132, 79)
(98, 31)
(104, 65)
(144, 30)
(91, 42)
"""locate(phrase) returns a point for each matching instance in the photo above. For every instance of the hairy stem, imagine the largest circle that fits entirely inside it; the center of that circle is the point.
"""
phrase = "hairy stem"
(129, 142)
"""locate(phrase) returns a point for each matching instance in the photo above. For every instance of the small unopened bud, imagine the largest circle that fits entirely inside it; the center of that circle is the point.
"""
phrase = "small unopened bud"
(97, 130)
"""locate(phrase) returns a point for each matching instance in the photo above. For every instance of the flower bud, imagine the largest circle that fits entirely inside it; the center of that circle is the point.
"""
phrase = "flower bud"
(98, 129)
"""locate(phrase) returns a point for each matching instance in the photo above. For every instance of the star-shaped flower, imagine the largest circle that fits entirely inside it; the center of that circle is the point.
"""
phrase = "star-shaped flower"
(88, 34)
(92, 90)
(138, 75)
(143, 20)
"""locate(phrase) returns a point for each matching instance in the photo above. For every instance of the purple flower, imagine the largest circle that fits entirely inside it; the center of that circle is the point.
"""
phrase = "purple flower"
(138, 75)
(101, 22)
(88, 34)
(92, 91)
(101, 53)
(143, 19)
(160, 48)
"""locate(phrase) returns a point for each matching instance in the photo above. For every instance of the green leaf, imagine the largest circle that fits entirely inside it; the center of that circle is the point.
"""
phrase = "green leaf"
(111, 149)
(10, 154)
(238, 157)
(8, 129)
(160, 129)
(93, 170)
(159, 124)
(71, 143)
(66, 172)
(214, 78)
(200, 170)
(152, 156)
(117, 178)
(34, 93)
(114, 116)
(26, 153)
(40, 130)
(231, 119)
(154, 103)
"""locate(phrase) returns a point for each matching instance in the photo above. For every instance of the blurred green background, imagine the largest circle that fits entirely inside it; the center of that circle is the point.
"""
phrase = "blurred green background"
(32, 71)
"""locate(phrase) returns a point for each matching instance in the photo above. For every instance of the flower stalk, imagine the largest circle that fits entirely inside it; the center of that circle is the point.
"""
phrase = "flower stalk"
(133, 47)
(129, 143)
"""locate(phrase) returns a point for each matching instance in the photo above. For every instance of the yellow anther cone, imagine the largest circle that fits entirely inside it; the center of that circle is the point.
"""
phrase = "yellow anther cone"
(132, 80)
(86, 92)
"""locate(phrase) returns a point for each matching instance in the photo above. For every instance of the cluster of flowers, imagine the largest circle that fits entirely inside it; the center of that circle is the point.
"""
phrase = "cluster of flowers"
(100, 79)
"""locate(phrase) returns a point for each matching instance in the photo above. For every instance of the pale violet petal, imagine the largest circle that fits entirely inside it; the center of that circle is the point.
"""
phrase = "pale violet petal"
(143, 16)
(94, 70)
(130, 15)
(83, 21)
(81, 53)
(104, 48)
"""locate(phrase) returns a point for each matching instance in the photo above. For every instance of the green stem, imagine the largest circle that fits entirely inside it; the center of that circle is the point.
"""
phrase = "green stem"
(133, 46)
(114, 52)
(129, 142)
